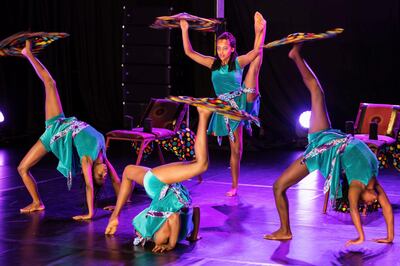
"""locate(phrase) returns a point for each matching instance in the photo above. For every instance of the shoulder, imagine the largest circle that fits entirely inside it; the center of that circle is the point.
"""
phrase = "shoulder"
(237, 63)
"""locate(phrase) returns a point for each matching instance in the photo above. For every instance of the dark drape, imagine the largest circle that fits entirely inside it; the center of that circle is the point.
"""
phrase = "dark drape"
(86, 65)
(360, 65)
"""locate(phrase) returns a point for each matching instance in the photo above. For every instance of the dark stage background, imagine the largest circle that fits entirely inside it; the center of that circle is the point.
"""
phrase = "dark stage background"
(358, 66)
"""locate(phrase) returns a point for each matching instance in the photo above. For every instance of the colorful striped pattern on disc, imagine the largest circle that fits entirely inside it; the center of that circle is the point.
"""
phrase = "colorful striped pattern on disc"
(13, 45)
(215, 105)
(195, 23)
(299, 37)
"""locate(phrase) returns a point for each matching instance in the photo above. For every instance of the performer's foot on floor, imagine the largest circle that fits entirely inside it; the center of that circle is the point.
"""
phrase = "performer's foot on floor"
(278, 235)
(194, 235)
(33, 207)
(112, 226)
(232, 192)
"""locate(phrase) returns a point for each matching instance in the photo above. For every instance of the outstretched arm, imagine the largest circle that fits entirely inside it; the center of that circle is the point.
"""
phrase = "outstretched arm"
(87, 164)
(387, 214)
(116, 182)
(246, 59)
(354, 195)
(206, 61)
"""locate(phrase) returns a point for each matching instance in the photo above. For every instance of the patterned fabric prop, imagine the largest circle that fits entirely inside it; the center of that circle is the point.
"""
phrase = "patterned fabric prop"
(216, 105)
(147, 150)
(299, 37)
(195, 23)
(182, 145)
(13, 45)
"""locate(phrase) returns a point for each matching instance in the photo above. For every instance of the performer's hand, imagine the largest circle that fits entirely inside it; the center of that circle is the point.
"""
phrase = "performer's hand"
(82, 217)
(383, 240)
(184, 24)
(354, 242)
(28, 48)
(162, 248)
(112, 226)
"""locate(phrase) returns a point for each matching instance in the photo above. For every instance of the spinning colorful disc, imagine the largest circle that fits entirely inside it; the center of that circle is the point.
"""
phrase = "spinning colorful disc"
(13, 45)
(299, 37)
(195, 23)
(215, 105)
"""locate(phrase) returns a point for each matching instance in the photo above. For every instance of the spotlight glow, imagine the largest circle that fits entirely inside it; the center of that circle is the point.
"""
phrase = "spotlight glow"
(1, 117)
(304, 119)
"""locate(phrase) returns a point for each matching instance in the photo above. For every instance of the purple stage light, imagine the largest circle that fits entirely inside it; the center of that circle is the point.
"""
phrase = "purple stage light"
(304, 119)
(1, 117)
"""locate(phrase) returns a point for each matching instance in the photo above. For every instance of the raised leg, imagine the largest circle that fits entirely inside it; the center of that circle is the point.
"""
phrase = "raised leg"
(319, 114)
(53, 105)
(34, 155)
(251, 79)
(292, 175)
(180, 171)
(236, 156)
(132, 174)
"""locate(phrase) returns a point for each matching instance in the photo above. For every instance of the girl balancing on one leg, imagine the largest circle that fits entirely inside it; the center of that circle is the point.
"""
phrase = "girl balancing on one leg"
(226, 72)
(331, 152)
(168, 219)
(77, 145)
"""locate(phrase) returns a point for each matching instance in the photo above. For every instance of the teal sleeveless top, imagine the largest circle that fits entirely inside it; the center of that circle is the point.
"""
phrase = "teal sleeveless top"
(225, 81)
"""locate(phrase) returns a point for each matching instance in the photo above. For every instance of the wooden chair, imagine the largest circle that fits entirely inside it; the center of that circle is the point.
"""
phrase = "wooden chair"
(384, 142)
(166, 117)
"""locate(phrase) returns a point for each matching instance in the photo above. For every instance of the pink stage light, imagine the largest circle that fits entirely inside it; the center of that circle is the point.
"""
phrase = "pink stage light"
(1, 117)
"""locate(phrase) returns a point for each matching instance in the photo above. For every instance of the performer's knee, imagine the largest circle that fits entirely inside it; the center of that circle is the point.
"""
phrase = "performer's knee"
(22, 169)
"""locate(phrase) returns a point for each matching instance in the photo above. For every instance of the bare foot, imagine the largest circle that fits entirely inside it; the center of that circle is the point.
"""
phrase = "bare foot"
(109, 208)
(28, 48)
(83, 217)
(279, 235)
(33, 207)
(112, 226)
(295, 51)
(259, 22)
(232, 192)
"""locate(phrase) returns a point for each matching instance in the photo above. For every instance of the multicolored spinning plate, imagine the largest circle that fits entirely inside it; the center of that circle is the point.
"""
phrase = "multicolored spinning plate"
(299, 37)
(195, 23)
(216, 105)
(13, 45)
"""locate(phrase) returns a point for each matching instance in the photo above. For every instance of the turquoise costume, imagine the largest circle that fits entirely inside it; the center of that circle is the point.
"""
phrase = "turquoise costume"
(227, 87)
(166, 200)
(332, 152)
(69, 140)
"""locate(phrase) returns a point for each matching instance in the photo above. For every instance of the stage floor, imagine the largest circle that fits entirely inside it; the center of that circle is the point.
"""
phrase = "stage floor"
(232, 229)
